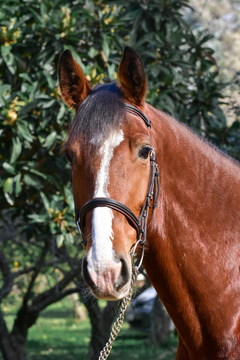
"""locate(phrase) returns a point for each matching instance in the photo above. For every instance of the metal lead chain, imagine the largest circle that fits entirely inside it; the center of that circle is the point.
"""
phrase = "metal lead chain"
(118, 324)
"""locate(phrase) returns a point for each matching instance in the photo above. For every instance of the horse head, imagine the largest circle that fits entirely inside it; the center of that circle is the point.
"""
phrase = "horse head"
(109, 148)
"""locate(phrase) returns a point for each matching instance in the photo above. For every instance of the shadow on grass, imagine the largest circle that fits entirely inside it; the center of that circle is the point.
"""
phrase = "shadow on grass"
(66, 350)
(131, 334)
(136, 345)
(57, 336)
(57, 314)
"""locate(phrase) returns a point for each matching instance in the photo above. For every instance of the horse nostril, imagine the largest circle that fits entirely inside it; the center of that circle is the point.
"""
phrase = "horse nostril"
(86, 276)
(124, 275)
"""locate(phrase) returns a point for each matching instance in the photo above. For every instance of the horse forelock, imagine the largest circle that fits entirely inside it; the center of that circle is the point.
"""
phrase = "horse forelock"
(100, 114)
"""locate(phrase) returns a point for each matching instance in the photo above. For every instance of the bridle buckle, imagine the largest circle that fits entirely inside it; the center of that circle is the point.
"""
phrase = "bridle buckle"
(133, 253)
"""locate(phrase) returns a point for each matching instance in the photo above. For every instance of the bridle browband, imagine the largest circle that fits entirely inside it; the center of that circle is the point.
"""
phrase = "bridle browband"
(140, 223)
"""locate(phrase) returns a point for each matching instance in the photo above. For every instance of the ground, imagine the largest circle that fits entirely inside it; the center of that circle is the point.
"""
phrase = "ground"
(57, 333)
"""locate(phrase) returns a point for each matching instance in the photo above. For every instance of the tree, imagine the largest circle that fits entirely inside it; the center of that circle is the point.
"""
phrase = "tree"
(160, 323)
(35, 188)
(32, 263)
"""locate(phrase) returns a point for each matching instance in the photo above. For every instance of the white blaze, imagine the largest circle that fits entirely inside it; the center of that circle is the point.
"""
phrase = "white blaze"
(101, 253)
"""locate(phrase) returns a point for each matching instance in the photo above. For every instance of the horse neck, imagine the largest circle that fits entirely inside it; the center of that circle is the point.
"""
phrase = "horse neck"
(194, 232)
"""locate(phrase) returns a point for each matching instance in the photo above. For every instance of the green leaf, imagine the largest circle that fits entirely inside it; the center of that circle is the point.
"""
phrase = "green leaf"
(9, 168)
(48, 104)
(36, 218)
(8, 186)
(60, 239)
(92, 52)
(50, 139)
(69, 197)
(2, 181)
(18, 186)
(27, 108)
(111, 70)
(69, 238)
(34, 88)
(155, 70)
(45, 202)
(24, 131)
(38, 18)
(16, 150)
(32, 180)
(50, 80)
(25, 76)
(54, 228)
(105, 46)
(9, 199)
(8, 58)
(5, 88)
(2, 101)
(61, 112)
(5, 50)
(43, 10)
(38, 173)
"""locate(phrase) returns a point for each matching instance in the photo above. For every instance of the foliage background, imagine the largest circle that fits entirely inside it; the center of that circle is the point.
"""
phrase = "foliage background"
(181, 76)
(36, 202)
(221, 18)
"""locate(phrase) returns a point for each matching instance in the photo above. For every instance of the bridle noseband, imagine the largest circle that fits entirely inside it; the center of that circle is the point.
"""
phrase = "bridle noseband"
(140, 223)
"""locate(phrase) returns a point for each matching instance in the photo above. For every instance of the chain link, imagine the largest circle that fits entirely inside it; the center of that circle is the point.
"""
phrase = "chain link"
(118, 324)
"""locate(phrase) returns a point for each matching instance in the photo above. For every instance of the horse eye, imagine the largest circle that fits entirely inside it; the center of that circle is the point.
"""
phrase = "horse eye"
(144, 152)
(69, 158)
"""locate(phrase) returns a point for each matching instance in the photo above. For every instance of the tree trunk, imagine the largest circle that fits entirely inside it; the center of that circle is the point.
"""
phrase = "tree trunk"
(160, 323)
(78, 309)
(101, 321)
(97, 341)
(13, 347)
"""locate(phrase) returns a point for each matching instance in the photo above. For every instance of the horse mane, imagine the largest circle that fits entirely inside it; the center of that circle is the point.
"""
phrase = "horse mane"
(212, 145)
(100, 114)
(208, 147)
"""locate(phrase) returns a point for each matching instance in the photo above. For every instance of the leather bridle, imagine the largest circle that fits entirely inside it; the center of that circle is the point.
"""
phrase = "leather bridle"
(140, 223)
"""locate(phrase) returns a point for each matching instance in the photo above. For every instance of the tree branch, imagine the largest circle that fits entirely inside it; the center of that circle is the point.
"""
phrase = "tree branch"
(23, 271)
(7, 276)
(57, 292)
(31, 268)
(3, 326)
(38, 267)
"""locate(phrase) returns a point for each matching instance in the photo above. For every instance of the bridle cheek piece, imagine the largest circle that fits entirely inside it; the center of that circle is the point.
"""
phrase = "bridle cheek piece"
(140, 223)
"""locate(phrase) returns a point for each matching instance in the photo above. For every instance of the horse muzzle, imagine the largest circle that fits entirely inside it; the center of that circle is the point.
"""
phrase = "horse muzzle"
(108, 281)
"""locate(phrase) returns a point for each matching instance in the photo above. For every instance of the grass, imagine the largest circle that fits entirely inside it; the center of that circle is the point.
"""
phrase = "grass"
(56, 335)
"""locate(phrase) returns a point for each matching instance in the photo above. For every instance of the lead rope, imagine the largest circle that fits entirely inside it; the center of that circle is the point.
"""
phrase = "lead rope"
(124, 306)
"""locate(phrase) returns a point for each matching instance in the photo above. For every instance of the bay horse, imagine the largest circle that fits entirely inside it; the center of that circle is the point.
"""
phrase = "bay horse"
(192, 250)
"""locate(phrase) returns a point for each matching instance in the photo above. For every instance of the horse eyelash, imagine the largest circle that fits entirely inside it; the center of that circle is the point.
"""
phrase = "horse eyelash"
(148, 148)
(68, 157)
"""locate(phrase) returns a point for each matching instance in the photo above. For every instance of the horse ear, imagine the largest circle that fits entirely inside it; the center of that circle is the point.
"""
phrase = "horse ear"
(132, 76)
(73, 84)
